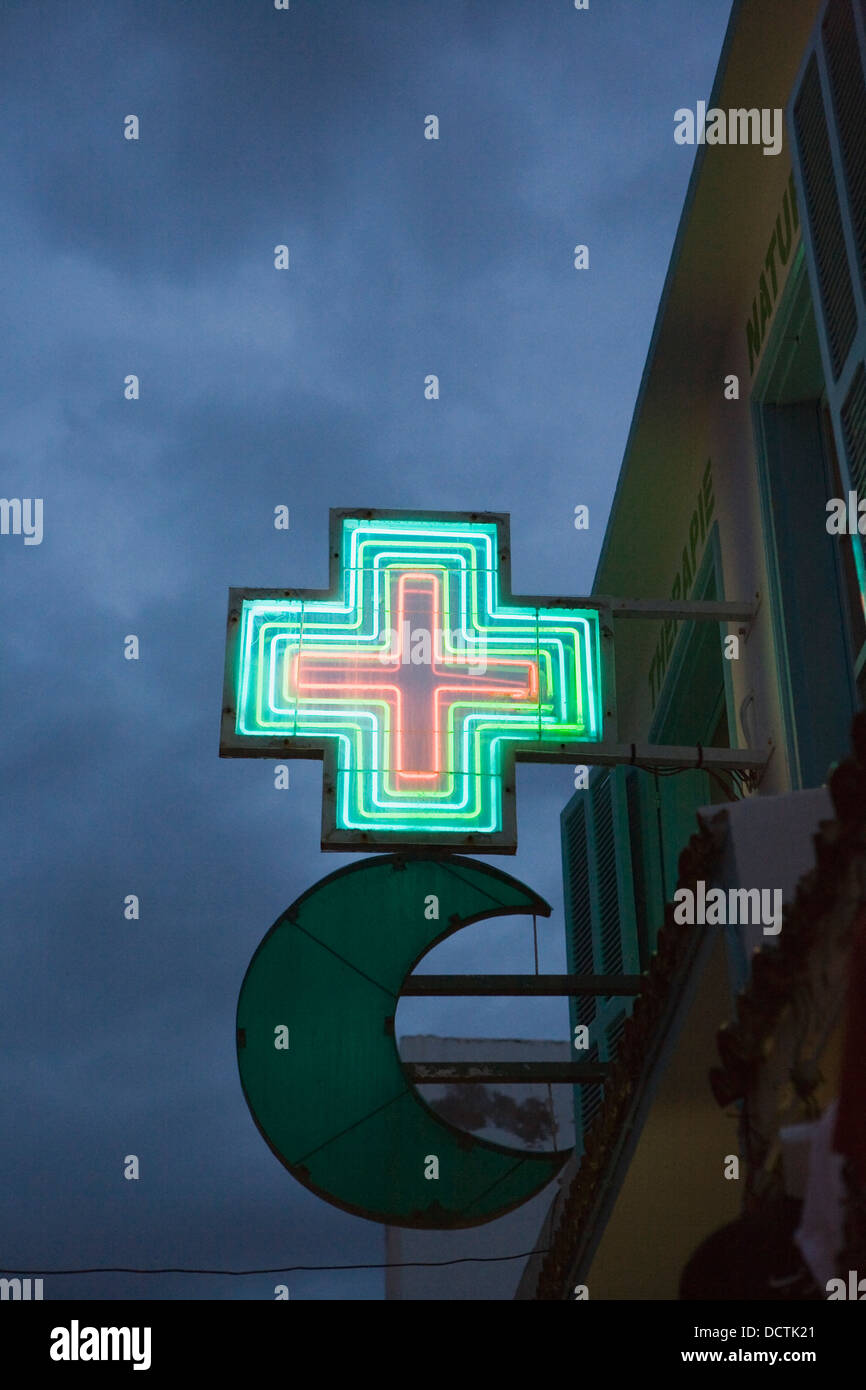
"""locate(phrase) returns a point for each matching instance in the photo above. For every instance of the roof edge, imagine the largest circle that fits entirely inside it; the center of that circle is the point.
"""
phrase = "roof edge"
(685, 215)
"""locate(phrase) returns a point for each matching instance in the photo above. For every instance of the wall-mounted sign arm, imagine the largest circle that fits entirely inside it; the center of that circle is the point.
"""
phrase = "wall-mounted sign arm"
(528, 986)
(723, 611)
(656, 755)
(568, 1073)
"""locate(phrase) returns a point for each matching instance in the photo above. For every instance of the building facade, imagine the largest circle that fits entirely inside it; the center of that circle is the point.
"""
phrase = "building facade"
(742, 479)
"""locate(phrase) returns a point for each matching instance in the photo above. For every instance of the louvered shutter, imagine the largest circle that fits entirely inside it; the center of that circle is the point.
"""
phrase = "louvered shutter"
(578, 909)
(588, 1100)
(844, 53)
(608, 896)
(645, 860)
(854, 430)
(601, 933)
(828, 119)
(832, 272)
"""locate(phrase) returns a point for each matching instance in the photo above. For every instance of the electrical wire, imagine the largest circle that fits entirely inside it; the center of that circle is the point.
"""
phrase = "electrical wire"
(735, 793)
(280, 1269)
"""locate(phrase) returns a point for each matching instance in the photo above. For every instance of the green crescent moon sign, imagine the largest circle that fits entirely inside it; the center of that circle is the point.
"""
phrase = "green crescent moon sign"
(318, 1057)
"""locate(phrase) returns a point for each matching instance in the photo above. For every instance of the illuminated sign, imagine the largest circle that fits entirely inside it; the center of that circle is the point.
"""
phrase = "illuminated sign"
(417, 677)
(347, 1121)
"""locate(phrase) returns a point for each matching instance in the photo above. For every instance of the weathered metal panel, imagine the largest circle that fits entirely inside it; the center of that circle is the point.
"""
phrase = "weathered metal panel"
(337, 1106)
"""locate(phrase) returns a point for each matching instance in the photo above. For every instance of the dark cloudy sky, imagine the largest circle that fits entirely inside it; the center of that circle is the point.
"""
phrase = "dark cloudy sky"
(261, 387)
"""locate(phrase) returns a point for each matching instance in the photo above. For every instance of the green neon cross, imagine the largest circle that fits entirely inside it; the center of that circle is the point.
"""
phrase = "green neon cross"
(416, 678)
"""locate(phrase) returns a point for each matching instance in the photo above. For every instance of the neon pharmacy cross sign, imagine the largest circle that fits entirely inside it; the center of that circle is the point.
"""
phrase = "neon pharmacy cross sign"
(417, 678)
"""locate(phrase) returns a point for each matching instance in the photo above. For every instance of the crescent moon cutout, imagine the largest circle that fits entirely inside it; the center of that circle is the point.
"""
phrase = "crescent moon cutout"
(318, 1058)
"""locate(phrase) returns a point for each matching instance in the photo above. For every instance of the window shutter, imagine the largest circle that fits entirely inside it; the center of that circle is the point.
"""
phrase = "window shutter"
(578, 911)
(848, 90)
(835, 289)
(601, 925)
(854, 430)
(588, 1101)
(828, 119)
(643, 833)
(609, 954)
(613, 1034)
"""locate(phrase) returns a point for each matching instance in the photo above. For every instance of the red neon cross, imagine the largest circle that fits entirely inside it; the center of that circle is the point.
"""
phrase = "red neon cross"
(419, 695)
